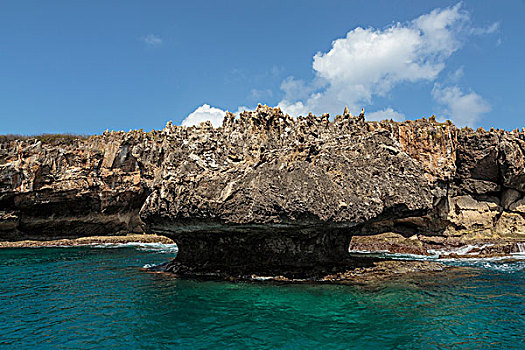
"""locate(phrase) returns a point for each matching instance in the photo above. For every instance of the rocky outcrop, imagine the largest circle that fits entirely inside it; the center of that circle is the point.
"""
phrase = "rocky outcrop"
(265, 190)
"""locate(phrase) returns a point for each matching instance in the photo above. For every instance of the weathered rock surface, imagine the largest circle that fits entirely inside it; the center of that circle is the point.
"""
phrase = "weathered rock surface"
(265, 189)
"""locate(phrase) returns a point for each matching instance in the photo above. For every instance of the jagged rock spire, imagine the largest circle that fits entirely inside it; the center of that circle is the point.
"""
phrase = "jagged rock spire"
(346, 112)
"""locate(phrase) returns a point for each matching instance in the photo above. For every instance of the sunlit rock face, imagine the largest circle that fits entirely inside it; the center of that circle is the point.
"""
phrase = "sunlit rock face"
(265, 188)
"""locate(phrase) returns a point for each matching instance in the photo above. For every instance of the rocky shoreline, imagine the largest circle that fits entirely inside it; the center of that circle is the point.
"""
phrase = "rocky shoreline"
(438, 246)
(266, 193)
(87, 241)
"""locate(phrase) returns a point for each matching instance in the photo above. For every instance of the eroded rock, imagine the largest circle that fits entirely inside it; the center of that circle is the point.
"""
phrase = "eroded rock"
(265, 188)
(511, 224)
(509, 196)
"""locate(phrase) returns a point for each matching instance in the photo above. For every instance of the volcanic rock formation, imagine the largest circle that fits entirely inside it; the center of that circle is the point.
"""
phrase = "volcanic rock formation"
(266, 190)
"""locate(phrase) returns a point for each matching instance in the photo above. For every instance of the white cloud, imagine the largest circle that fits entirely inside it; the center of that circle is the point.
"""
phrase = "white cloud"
(293, 108)
(152, 40)
(387, 113)
(370, 62)
(456, 75)
(204, 113)
(463, 108)
(296, 89)
(493, 28)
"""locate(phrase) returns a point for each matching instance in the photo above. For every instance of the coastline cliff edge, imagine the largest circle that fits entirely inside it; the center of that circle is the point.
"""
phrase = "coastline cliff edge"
(266, 193)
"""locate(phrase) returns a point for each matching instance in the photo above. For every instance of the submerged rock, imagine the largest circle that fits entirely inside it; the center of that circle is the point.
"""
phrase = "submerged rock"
(266, 191)
(384, 270)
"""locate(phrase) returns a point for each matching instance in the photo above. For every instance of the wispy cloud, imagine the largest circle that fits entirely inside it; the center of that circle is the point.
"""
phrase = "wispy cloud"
(261, 94)
(387, 113)
(456, 75)
(463, 108)
(152, 40)
(493, 28)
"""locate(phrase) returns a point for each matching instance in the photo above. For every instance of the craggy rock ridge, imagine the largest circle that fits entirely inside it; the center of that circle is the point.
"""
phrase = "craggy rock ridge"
(266, 192)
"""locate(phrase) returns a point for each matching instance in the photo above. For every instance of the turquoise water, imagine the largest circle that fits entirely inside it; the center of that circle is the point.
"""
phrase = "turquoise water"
(92, 298)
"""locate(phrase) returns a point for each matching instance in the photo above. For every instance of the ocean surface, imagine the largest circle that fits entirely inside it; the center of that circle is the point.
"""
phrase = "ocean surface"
(101, 298)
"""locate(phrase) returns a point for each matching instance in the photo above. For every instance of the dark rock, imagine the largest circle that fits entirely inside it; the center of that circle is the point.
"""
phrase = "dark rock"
(477, 187)
(508, 197)
(477, 156)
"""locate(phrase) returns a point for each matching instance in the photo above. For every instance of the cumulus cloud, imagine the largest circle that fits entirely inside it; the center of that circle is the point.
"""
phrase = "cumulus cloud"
(370, 62)
(152, 40)
(463, 108)
(204, 113)
(387, 113)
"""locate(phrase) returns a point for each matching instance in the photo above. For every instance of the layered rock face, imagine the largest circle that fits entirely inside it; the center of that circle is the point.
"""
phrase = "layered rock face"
(267, 190)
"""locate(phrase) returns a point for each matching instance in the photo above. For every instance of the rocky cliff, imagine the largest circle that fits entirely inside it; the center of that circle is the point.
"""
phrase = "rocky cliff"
(267, 190)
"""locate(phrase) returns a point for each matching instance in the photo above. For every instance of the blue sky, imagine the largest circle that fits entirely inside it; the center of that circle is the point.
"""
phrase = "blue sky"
(87, 66)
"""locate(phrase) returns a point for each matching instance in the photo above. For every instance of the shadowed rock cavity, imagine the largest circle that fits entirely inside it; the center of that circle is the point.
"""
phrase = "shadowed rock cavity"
(293, 251)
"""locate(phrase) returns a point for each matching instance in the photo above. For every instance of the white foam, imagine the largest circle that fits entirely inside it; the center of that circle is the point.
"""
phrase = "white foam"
(395, 256)
(261, 278)
(501, 264)
(158, 247)
(507, 263)
(367, 251)
(463, 250)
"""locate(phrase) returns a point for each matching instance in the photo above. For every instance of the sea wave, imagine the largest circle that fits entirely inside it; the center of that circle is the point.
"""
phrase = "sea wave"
(503, 264)
(507, 263)
(155, 247)
(469, 249)
(149, 266)
(395, 256)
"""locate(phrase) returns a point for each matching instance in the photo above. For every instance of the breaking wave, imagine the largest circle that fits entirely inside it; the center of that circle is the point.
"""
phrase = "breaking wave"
(502, 264)
(470, 249)
(508, 263)
(151, 247)
(149, 266)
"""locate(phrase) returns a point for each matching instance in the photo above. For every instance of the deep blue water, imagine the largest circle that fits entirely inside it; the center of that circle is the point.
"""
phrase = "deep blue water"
(80, 298)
